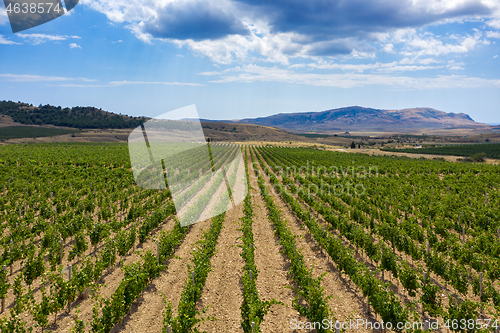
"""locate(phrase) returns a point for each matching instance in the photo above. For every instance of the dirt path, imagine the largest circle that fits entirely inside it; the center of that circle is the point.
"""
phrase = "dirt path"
(223, 293)
(272, 281)
(147, 314)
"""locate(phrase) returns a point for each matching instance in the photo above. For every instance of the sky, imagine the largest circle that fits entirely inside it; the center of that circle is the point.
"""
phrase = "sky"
(239, 59)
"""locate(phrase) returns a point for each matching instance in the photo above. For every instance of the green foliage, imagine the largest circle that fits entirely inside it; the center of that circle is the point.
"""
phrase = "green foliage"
(14, 132)
(459, 312)
(476, 151)
(4, 285)
(309, 287)
(252, 309)
(186, 317)
(34, 267)
(409, 279)
(77, 117)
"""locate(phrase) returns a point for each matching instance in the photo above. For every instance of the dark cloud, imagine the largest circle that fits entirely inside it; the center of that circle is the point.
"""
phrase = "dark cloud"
(327, 19)
(194, 20)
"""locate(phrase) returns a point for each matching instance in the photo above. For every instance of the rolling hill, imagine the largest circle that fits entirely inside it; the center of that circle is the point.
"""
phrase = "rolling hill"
(76, 117)
(356, 118)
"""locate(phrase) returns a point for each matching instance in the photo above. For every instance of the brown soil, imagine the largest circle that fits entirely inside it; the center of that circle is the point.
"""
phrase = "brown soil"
(272, 281)
(147, 314)
(108, 283)
(222, 295)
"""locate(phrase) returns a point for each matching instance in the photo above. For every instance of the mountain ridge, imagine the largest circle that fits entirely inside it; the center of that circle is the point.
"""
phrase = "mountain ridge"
(363, 118)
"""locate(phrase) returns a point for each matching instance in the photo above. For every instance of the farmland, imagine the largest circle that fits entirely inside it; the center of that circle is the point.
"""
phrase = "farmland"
(321, 237)
(490, 150)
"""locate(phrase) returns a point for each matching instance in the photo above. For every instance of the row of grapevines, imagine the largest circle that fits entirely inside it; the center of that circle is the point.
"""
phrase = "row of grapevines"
(253, 309)
(309, 287)
(449, 271)
(455, 309)
(136, 278)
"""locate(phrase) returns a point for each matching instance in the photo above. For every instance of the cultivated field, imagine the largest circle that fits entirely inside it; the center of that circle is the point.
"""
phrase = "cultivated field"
(322, 237)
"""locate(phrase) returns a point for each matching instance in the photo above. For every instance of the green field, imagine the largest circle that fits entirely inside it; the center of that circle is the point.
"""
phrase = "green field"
(409, 239)
(16, 132)
(491, 150)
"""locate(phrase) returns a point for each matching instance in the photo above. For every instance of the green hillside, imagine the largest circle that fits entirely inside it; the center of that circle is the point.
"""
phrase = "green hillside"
(76, 117)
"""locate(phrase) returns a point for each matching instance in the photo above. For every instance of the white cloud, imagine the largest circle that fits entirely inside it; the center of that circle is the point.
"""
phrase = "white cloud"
(125, 82)
(278, 41)
(36, 39)
(492, 34)
(494, 23)
(455, 66)
(69, 81)
(253, 73)
(4, 19)
(495, 56)
(389, 48)
(5, 41)
(426, 44)
(40, 78)
(427, 61)
(394, 66)
(120, 11)
(209, 73)
(403, 65)
(74, 46)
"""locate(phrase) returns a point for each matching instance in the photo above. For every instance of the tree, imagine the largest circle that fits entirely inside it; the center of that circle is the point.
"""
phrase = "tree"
(478, 157)
(353, 145)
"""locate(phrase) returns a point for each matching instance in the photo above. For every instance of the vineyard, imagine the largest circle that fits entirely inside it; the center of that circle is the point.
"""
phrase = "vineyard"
(322, 242)
(490, 150)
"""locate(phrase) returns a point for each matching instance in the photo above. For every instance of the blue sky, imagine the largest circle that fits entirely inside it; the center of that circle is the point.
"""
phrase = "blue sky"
(239, 58)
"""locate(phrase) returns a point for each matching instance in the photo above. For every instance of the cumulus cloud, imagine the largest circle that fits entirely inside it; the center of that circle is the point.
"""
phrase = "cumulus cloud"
(36, 39)
(196, 20)
(431, 46)
(277, 30)
(494, 23)
(321, 19)
(493, 34)
(74, 46)
(412, 43)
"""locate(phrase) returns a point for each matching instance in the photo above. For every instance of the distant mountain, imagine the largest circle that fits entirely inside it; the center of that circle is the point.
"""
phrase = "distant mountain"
(76, 117)
(357, 118)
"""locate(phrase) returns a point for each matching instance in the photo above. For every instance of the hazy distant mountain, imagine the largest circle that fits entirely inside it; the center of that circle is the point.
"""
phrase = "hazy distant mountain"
(356, 118)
